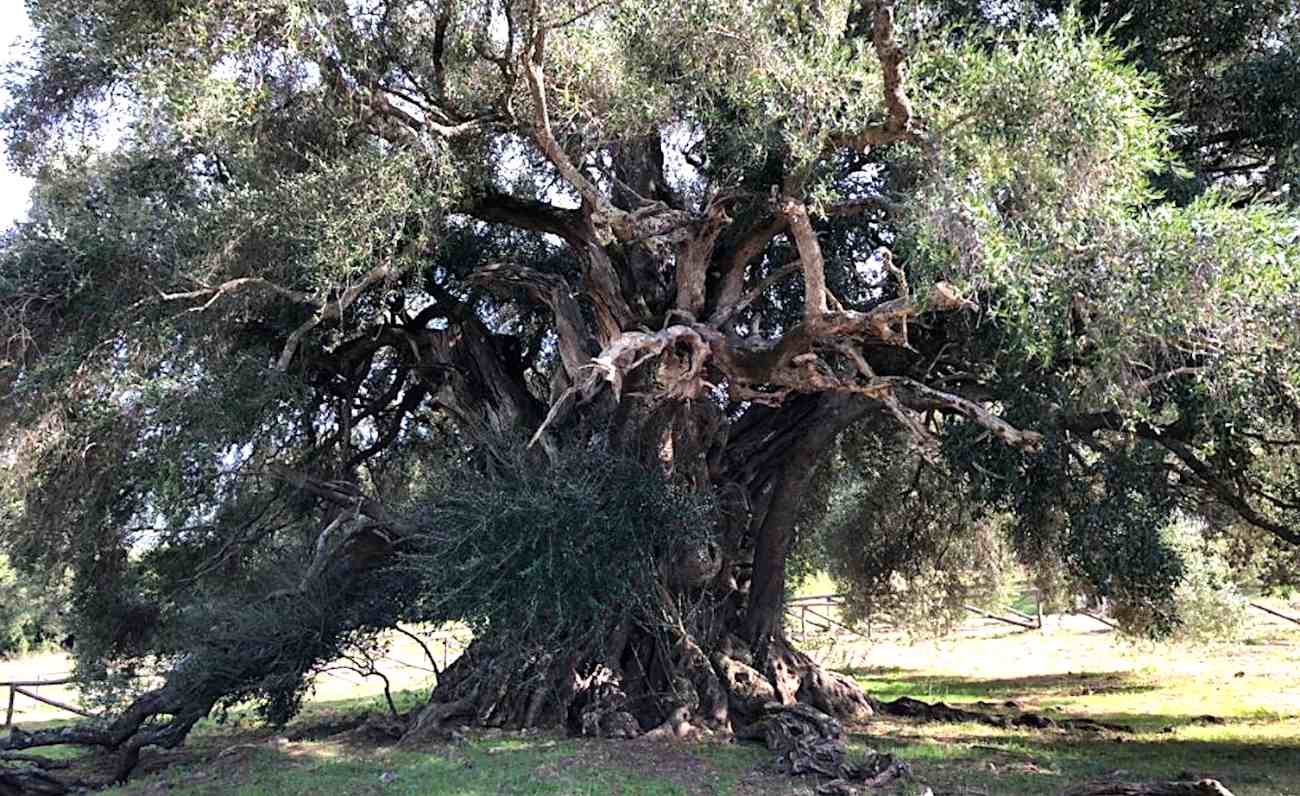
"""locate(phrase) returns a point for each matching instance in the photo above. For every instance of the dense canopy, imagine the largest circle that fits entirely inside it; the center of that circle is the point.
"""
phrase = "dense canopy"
(310, 289)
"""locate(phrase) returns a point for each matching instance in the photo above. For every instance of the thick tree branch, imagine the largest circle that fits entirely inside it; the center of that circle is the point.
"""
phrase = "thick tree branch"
(810, 257)
(531, 215)
(694, 258)
(1206, 476)
(898, 125)
(532, 60)
(751, 245)
(792, 440)
(655, 223)
(553, 292)
(1215, 483)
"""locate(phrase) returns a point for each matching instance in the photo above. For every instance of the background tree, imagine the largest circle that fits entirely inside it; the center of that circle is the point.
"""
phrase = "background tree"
(29, 617)
(614, 264)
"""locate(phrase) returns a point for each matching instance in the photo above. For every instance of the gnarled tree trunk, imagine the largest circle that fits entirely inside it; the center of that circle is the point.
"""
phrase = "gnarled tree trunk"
(721, 656)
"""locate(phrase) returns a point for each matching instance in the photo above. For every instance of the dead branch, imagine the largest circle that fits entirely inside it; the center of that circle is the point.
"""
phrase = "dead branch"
(214, 293)
(919, 396)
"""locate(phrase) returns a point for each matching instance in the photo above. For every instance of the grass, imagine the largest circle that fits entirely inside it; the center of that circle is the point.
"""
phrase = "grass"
(1230, 712)
(523, 766)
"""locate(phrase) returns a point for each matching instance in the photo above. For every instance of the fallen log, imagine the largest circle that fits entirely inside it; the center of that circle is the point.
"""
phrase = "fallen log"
(1204, 787)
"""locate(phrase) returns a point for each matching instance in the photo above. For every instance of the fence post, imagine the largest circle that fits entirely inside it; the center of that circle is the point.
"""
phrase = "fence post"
(9, 714)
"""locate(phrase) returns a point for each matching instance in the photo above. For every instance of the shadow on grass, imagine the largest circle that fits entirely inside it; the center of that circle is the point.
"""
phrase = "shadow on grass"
(485, 763)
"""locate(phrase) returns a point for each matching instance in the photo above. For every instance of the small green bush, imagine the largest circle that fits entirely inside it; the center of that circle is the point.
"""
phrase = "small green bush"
(1209, 602)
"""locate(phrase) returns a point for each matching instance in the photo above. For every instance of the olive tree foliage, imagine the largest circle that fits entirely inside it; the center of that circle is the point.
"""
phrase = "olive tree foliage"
(907, 541)
(1228, 72)
(343, 246)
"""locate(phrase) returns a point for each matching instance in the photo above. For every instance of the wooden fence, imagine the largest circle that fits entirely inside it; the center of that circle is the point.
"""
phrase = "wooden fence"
(816, 613)
(28, 689)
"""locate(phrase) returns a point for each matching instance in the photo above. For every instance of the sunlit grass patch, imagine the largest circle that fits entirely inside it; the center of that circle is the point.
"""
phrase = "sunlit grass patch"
(1222, 712)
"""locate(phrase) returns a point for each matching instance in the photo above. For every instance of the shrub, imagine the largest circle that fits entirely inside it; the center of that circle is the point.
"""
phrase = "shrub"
(1209, 602)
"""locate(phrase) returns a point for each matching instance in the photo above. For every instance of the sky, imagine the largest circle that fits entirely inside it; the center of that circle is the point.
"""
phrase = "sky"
(13, 187)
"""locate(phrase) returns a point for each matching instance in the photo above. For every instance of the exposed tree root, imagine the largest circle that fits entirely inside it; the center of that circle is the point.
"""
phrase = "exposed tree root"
(654, 687)
(33, 760)
(30, 781)
(646, 686)
(807, 741)
(916, 709)
(129, 733)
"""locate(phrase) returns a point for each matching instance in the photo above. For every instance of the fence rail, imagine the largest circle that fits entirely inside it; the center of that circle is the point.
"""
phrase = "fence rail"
(25, 687)
(814, 612)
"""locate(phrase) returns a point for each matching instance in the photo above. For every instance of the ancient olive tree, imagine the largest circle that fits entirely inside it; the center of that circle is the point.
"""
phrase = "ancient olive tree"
(542, 317)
